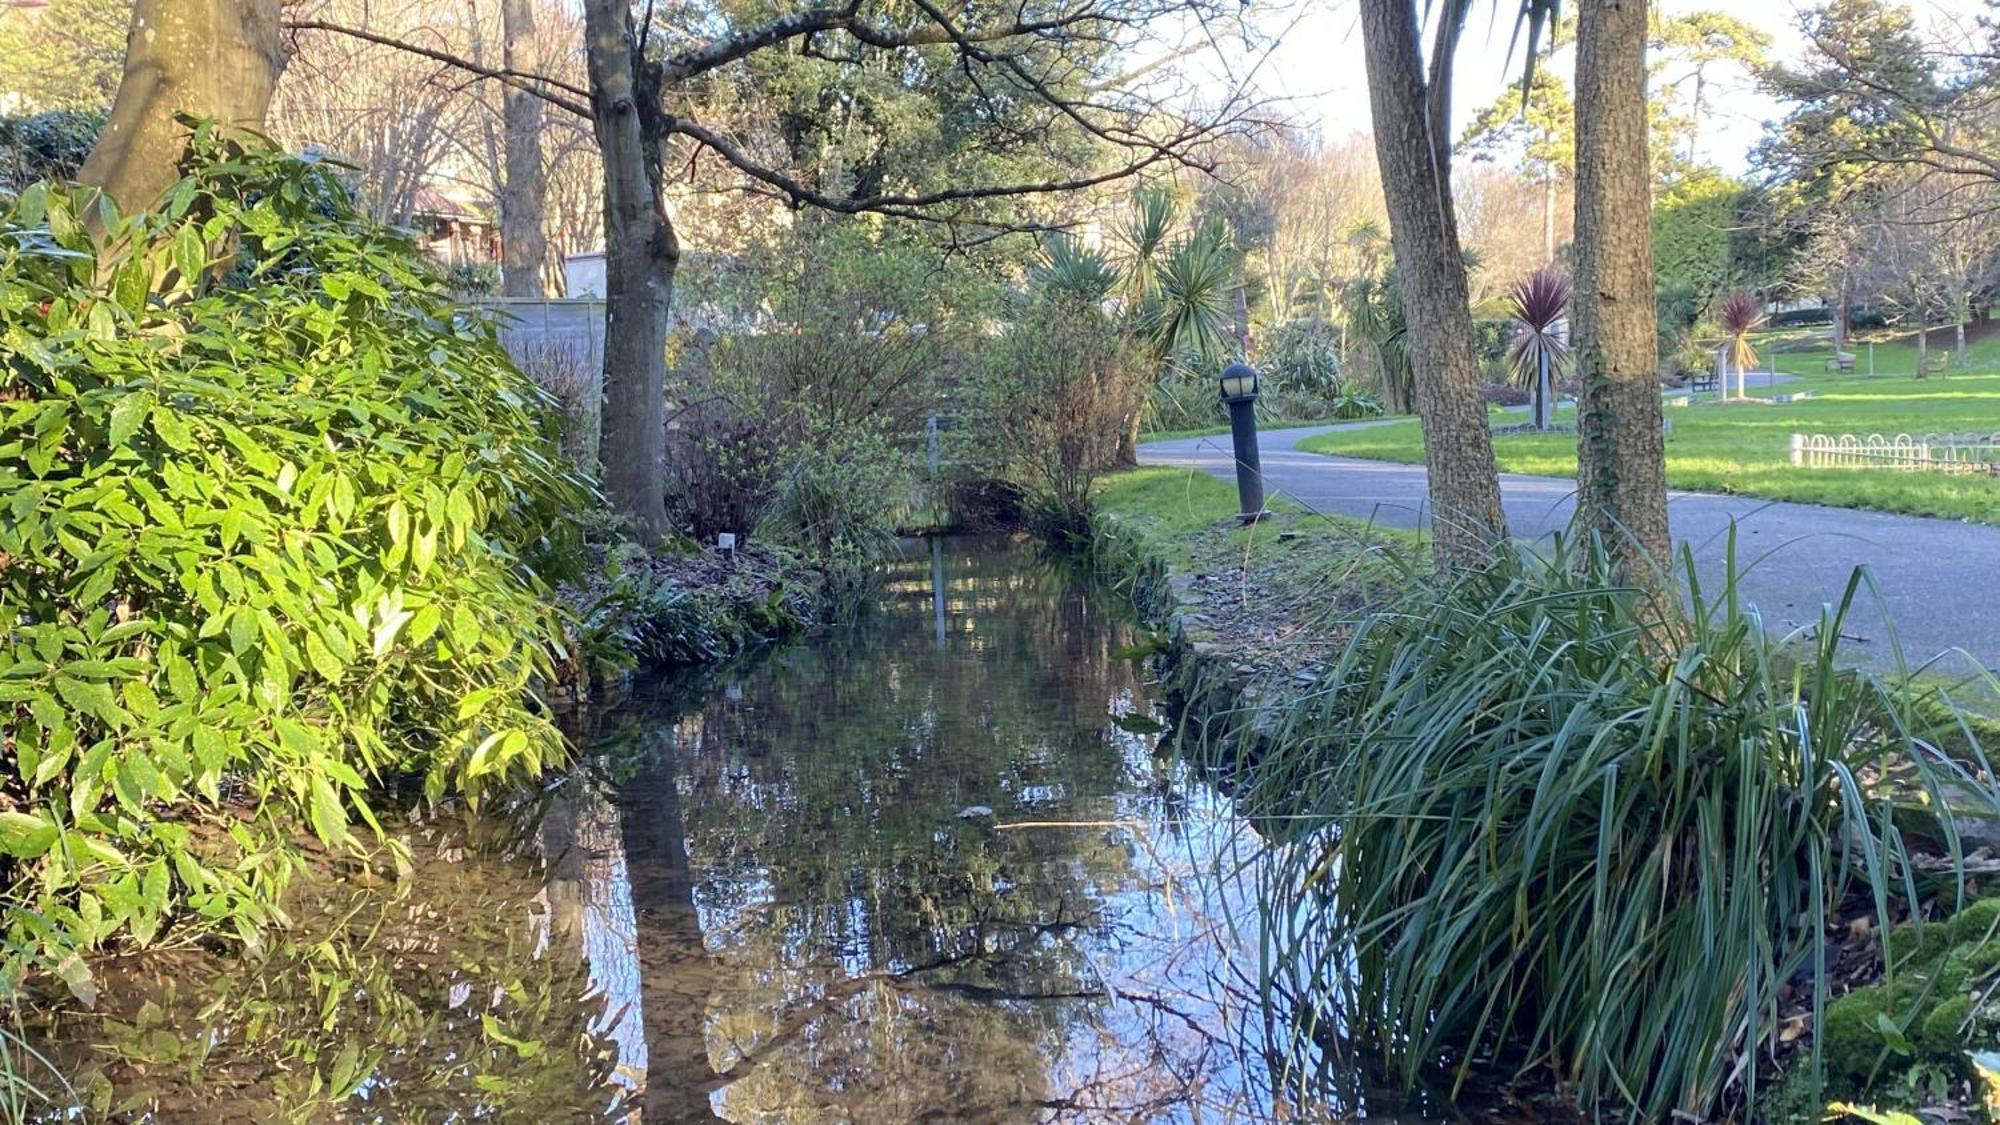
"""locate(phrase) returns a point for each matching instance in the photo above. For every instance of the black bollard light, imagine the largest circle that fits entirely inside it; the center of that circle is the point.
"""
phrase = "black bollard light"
(1239, 390)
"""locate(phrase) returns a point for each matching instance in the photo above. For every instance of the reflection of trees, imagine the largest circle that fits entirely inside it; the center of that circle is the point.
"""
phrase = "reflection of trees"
(677, 975)
(774, 896)
(878, 956)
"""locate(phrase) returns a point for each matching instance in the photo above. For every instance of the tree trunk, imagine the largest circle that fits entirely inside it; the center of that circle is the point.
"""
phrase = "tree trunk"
(1621, 462)
(1542, 389)
(218, 59)
(1923, 347)
(1412, 145)
(1127, 454)
(641, 253)
(1841, 312)
(1243, 320)
(1549, 214)
(523, 246)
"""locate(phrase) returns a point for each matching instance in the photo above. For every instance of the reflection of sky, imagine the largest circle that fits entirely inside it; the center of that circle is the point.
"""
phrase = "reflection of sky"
(1144, 1007)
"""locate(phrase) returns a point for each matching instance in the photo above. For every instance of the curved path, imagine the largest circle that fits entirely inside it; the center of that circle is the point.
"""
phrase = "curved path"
(1937, 577)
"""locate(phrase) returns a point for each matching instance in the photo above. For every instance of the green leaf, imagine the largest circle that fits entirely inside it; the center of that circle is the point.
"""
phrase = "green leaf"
(26, 835)
(132, 409)
(329, 819)
(94, 699)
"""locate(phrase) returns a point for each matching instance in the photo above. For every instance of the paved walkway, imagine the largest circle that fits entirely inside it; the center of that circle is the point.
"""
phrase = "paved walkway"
(1937, 577)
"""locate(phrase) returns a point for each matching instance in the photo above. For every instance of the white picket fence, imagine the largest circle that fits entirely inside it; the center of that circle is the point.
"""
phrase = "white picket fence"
(1935, 453)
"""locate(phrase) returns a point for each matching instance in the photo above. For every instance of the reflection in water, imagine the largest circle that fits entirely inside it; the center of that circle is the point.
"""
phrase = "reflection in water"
(915, 871)
(892, 879)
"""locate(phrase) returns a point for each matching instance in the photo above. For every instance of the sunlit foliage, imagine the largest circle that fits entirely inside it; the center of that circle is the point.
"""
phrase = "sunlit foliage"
(276, 525)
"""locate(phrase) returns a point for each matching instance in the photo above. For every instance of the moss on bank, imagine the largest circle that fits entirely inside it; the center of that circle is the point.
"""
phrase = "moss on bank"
(1908, 1042)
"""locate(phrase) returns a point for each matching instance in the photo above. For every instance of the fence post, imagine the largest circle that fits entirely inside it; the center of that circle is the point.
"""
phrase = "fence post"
(1798, 450)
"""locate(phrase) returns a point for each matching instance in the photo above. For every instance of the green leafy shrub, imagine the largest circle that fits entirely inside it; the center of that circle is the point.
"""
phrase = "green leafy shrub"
(800, 417)
(276, 525)
(50, 145)
(1059, 384)
(1531, 819)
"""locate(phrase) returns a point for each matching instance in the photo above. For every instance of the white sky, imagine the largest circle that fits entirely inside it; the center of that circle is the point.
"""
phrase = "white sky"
(1319, 65)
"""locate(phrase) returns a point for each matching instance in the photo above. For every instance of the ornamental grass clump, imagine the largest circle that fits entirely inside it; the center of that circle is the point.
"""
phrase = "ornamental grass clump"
(277, 527)
(1529, 822)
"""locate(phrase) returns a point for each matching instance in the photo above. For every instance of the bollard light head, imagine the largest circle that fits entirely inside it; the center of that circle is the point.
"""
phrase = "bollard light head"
(1239, 380)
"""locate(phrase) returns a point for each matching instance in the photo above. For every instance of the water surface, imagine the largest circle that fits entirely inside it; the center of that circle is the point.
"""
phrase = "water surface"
(928, 868)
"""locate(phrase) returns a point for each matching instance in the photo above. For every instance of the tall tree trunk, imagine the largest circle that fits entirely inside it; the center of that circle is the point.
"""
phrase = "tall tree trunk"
(1923, 347)
(641, 253)
(523, 245)
(1621, 462)
(209, 58)
(1842, 300)
(1549, 214)
(1243, 320)
(1412, 144)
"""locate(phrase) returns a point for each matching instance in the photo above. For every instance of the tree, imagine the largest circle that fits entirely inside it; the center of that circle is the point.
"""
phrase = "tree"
(67, 54)
(1410, 98)
(1699, 249)
(1739, 316)
(1700, 41)
(1542, 129)
(1621, 456)
(1540, 347)
(395, 117)
(1875, 90)
(1037, 79)
(216, 59)
(523, 241)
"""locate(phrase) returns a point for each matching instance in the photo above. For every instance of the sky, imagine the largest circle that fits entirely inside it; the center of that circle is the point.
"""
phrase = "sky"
(1318, 65)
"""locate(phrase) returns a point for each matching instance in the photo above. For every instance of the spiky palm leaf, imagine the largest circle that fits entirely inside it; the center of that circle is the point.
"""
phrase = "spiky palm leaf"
(1071, 269)
(1739, 315)
(1539, 304)
(1188, 314)
(1154, 215)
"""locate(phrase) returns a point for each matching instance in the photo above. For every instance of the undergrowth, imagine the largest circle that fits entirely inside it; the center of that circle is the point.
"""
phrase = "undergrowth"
(1525, 820)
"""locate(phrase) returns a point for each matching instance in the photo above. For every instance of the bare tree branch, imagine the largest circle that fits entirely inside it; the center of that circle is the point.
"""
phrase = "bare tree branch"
(548, 89)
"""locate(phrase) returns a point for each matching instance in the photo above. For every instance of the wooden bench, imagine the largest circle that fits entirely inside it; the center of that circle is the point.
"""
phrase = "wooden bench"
(1705, 381)
(1841, 361)
(1937, 363)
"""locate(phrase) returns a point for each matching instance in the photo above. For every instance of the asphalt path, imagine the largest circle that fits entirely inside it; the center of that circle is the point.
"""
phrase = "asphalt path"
(1936, 578)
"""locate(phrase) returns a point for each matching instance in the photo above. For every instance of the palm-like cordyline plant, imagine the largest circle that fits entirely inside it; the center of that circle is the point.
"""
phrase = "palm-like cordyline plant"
(1739, 314)
(1072, 269)
(1541, 334)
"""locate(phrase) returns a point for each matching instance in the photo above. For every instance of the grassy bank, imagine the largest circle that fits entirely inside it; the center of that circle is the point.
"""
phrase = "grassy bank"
(1264, 600)
(1528, 743)
(1744, 448)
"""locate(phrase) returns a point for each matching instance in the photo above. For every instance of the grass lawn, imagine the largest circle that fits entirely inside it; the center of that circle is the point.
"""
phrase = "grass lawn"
(1745, 447)
(1174, 508)
(1210, 431)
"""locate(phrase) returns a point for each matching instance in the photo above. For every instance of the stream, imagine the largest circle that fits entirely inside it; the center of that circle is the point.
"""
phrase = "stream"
(929, 867)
